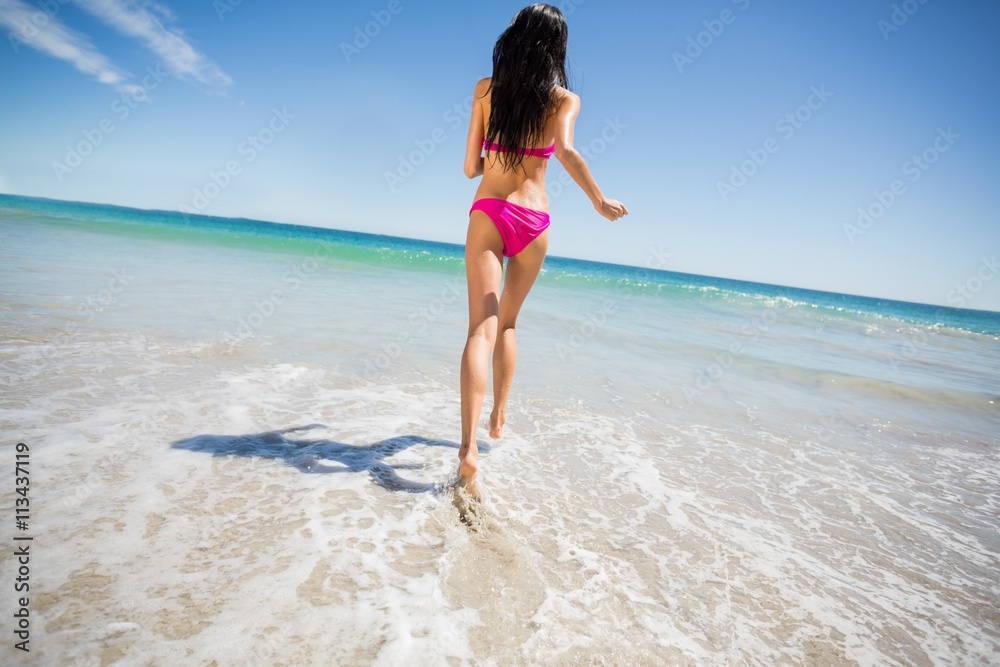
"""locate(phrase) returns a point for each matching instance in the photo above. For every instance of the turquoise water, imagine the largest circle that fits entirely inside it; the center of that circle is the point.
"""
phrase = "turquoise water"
(420, 255)
(695, 471)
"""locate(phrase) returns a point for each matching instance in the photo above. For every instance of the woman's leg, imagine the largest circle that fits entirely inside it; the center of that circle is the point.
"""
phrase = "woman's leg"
(483, 271)
(522, 269)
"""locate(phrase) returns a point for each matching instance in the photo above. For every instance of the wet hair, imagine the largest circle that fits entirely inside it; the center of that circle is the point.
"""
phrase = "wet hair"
(529, 60)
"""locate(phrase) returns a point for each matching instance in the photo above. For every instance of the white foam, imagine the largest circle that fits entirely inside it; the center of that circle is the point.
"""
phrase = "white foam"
(764, 522)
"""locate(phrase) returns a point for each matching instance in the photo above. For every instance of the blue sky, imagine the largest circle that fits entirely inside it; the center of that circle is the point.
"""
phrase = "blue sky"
(847, 146)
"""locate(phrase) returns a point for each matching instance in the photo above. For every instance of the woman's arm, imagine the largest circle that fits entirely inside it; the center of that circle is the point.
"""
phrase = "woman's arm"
(574, 163)
(477, 130)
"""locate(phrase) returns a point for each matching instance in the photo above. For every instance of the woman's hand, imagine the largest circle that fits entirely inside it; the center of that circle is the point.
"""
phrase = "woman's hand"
(612, 209)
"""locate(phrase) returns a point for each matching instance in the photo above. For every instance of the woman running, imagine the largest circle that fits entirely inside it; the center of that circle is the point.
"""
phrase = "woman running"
(521, 116)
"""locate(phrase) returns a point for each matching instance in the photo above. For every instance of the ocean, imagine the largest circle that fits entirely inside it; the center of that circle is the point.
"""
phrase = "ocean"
(241, 438)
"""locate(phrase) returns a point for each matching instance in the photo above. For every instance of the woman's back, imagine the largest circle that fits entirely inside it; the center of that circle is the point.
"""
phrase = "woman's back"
(525, 183)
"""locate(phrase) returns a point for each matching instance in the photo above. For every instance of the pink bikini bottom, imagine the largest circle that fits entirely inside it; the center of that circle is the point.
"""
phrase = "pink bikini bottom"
(518, 225)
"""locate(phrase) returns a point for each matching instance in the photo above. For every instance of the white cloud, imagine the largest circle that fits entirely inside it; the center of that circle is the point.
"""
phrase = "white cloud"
(143, 19)
(44, 32)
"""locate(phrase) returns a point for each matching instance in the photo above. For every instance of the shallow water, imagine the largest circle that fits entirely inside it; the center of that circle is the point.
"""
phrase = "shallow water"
(687, 476)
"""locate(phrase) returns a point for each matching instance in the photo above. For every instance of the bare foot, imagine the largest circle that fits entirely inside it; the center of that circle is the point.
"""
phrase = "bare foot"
(468, 470)
(497, 420)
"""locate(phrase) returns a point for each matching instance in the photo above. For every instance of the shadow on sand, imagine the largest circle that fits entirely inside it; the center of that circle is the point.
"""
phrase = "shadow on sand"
(313, 456)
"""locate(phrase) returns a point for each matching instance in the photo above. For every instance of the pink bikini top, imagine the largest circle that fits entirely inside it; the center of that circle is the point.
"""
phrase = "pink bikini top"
(544, 153)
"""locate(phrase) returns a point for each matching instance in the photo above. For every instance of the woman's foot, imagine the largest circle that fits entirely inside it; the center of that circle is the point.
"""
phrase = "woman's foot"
(468, 470)
(497, 420)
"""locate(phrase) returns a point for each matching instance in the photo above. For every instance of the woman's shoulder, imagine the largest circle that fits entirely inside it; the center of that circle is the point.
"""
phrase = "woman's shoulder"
(565, 98)
(565, 93)
(483, 86)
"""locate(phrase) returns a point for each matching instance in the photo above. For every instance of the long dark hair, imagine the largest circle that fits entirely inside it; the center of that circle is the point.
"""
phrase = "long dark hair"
(529, 60)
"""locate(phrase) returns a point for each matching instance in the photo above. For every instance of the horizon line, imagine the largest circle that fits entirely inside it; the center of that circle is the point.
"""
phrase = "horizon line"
(459, 245)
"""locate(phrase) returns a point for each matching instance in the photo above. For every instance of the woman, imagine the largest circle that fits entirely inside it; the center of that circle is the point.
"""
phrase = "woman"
(521, 116)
